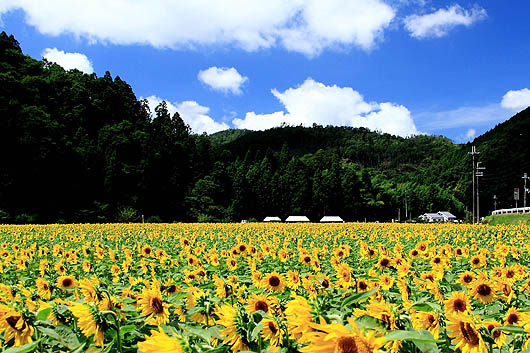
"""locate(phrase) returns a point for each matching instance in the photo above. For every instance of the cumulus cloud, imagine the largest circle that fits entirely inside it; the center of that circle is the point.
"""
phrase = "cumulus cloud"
(306, 26)
(193, 114)
(470, 134)
(313, 102)
(516, 99)
(439, 23)
(223, 79)
(68, 61)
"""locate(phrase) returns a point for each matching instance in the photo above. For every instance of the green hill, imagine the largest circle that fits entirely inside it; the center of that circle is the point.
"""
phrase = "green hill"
(81, 148)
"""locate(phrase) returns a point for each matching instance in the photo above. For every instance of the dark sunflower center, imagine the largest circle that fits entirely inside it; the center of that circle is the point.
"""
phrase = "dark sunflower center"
(363, 286)
(476, 261)
(325, 283)
(307, 259)
(45, 286)
(12, 321)
(459, 251)
(469, 334)
(272, 327)
(423, 247)
(371, 252)
(274, 281)
(484, 290)
(172, 289)
(468, 278)
(346, 345)
(157, 305)
(459, 305)
(233, 262)
(384, 262)
(340, 253)
(261, 305)
(510, 274)
(430, 319)
(512, 319)
(437, 260)
(414, 253)
(67, 282)
(242, 248)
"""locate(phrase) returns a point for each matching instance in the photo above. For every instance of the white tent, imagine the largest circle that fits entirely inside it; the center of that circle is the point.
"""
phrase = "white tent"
(272, 219)
(331, 219)
(297, 219)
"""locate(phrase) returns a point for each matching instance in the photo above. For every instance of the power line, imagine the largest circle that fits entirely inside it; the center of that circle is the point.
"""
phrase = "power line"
(473, 153)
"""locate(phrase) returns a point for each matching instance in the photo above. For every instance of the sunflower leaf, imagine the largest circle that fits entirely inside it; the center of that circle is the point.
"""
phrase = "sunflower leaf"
(514, 329)
(355, 298)
(256, 331)
(24, 348)
(43, 314)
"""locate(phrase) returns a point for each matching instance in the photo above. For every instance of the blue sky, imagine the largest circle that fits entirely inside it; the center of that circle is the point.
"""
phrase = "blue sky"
(398, 66)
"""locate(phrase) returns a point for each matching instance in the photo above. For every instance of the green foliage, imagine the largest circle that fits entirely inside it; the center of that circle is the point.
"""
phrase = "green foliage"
(77, 147)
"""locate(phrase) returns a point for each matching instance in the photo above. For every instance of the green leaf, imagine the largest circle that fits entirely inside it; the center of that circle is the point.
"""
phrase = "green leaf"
(421, 338)
(79, 349)
(23, 349)
(513, 329)
(109, 346)
(62, 334)
(126, 329)
(255, 333)
(356, 298)
(43, 314)
(128, 308)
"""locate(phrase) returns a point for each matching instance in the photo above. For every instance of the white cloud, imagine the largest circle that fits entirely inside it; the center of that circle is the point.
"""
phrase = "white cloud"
(223, 79)
(314, 102)
(68, 61)
(516, 99)
(471, 133)
(306, 26)
(439, 23)
(192, 113)
(462, 117)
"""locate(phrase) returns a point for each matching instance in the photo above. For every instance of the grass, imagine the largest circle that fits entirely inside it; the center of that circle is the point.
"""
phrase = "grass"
(508, 219)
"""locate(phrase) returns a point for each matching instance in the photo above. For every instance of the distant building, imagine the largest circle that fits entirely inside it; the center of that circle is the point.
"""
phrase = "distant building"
(448, 216)
(441, 216)
(293, 219)
(331, 219)
(272, 219)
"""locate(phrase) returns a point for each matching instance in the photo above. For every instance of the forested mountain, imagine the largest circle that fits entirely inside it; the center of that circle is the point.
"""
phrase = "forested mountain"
(81, 148)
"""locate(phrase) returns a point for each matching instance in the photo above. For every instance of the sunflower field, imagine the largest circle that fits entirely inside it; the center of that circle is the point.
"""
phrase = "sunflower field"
(337, 288)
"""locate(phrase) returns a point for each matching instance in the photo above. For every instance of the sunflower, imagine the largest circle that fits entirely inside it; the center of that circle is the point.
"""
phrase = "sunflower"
(465, 334)
(384, 262)
(466, 278)
(88, 321)
(363, 285)
(339, 339)
(152, 306)
(386, 282)
(344, 276)
(305, 259)
(159, 342)
(89, 290)
(299, 317)
(272, 332)
(515, 317)
(477, 261)
(43, 288)
(380, 310)
(228, 317)
(498, 335)
(66, 282)
(231, 263)
(274, 282)
(146, 251)
(426, 320)
(13, 326)
(483, 291)
(259, 302)
(293, 279)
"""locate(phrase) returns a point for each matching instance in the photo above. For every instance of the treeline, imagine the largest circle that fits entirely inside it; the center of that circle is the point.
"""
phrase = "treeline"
(81, 148)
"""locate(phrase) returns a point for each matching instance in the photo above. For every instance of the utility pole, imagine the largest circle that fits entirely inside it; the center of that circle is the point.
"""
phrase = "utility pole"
(406, 208)
(478, 173)
(495, 202)
(525, 177)
(473, 153)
